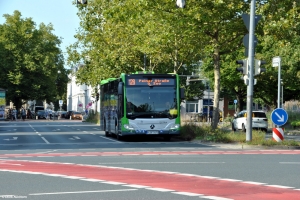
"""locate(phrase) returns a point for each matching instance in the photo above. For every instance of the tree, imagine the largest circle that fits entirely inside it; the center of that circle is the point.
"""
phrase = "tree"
(115, 36)
(30, 59)
(116, 33)
(278, 35)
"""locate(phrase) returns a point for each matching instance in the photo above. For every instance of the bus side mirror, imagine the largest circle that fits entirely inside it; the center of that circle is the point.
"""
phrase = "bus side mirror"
(120, 88)
(182, 96)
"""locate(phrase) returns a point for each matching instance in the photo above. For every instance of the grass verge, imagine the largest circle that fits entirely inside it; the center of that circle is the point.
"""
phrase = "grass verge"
(192, 131)
(93, 118)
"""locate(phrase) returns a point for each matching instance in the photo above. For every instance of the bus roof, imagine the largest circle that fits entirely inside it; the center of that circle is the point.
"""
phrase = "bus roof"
(107, 80)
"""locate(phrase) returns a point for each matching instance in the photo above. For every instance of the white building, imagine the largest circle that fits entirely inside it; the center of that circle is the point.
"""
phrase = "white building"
(79, 97)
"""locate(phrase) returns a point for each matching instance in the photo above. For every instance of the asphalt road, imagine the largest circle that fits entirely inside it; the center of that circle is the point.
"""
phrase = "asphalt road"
(74, 160)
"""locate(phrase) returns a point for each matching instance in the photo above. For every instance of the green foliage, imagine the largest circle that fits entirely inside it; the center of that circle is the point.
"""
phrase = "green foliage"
(295, 123)
(278, 35)
(192, 131)
(284, 143)
(30, 59)
(189, 131)
(93, 118)
(115, 35)
(194, 89)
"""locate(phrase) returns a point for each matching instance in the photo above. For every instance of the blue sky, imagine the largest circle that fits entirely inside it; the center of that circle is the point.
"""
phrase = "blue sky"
(60, 13)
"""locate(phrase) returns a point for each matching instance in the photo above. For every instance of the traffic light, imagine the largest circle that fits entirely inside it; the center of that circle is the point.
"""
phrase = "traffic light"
(244, 66)
(258, 64)
(97, 97)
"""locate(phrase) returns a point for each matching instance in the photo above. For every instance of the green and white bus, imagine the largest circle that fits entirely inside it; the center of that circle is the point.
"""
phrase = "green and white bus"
(143, 103)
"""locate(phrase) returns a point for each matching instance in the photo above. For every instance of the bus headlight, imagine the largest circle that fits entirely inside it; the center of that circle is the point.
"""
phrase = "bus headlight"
(175, 126)
(128, 127)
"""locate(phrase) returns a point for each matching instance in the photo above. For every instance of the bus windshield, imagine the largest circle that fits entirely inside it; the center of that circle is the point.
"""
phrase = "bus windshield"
(151, 102)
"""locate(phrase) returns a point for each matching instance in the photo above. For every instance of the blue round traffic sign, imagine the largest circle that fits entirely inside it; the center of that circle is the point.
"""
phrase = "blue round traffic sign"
(235, 101)
(279, 116)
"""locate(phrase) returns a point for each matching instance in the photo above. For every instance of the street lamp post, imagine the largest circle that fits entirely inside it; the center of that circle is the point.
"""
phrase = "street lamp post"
(58, 72)
(208, 105)
(276, 62)
(281, 93)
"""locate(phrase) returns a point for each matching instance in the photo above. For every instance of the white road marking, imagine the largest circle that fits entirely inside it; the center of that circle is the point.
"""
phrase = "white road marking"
(45, 152)
(45, 140)
(44, 156)
(82, 192)
(188, 194)
(113, 183)
(14, 138)
(254, 183)
(228, 179)
(280, 186)
(136, 186)
(216, 198)
(160, 189)
(141, 186)
(74, 177)
(110, 139)
(91, 180)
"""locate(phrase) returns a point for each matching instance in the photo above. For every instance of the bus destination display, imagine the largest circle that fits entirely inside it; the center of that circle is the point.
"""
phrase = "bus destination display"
(151, 82)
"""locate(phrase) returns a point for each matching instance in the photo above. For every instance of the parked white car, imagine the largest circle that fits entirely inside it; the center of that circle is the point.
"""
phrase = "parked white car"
(259, 121)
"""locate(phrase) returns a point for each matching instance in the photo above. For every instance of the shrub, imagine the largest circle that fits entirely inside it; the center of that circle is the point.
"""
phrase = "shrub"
(295, 123)
(93, 118)
(189, 131)
(192, 131)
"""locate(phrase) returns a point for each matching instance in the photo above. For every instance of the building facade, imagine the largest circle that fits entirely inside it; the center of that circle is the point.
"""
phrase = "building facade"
(79, 97)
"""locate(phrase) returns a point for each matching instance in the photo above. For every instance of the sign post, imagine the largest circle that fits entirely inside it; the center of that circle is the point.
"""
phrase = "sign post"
(279, 117)
(235, 102)
(276, 62)
(60, 102)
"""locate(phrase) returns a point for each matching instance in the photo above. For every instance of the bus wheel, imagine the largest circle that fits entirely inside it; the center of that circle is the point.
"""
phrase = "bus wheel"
(104, 127)
(167, 138)
(119, 137)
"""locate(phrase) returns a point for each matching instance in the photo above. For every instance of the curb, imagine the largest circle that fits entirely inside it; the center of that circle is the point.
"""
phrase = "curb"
(246, 146)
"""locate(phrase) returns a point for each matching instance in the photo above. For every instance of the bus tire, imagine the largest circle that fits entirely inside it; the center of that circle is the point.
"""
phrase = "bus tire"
(119, 137)
(167, 137)
(104, 128)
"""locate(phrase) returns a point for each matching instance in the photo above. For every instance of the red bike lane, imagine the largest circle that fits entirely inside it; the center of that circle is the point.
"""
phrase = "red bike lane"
(175, 182)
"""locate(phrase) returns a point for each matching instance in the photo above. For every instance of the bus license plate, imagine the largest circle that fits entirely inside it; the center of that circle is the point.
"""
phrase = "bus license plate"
(152, 132)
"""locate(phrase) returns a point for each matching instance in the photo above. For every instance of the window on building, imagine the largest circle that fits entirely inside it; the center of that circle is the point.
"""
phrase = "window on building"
(192, 107)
